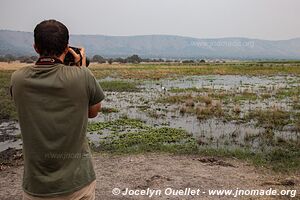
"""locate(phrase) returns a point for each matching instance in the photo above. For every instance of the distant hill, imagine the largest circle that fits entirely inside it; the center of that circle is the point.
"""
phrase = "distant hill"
(162, 46)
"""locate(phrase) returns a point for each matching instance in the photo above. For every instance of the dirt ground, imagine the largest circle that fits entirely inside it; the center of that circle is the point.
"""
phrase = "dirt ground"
(161, 171)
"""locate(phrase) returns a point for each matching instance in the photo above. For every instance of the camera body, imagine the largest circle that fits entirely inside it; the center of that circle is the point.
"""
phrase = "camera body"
(70, 61)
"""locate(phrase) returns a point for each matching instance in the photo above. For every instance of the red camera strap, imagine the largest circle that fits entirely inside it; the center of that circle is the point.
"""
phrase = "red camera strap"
(48, 61)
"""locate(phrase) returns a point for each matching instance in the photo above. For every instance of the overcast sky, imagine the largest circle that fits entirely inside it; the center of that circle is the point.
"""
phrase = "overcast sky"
(263, 19)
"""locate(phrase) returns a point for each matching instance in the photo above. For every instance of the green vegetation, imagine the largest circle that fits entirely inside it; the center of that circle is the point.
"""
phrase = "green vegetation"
(129, 135)
(193, 89)
(234, 106)
(7, 107)
(119, 86)
(131, 59)
(118, 125)
(108, 110)
(134, 136)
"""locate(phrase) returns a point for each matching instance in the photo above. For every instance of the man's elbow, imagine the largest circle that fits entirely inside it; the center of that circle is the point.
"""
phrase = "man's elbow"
(92, 115)
(93, 110)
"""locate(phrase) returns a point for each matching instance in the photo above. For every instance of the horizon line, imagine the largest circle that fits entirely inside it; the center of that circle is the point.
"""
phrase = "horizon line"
(154, 34)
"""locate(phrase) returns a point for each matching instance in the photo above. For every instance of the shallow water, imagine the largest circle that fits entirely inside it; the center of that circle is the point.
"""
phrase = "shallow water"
(9, 138)
(142, 105)
(226, 82)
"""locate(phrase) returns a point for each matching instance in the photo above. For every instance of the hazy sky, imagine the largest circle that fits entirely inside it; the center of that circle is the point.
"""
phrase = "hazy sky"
(263, 19)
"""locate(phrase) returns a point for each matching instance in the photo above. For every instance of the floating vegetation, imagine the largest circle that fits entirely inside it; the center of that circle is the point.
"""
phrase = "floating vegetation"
(108, 110)
(119, 125)
(135, 136)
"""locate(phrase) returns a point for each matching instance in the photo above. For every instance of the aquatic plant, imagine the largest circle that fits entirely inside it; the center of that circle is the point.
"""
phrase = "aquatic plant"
(270, 118)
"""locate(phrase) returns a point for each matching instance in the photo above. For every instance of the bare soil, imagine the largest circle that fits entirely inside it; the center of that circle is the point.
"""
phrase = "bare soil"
(160, 171)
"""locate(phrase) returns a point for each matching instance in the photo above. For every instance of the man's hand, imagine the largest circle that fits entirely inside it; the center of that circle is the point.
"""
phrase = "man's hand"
(77, 57)
(94, 109)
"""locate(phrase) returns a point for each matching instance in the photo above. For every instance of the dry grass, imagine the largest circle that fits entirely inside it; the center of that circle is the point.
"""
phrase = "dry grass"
(158, 71)
(209, 111)
(271, 118)
(12, 65)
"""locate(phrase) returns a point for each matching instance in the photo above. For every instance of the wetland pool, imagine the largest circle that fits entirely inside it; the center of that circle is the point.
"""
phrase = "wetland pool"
(217, 110)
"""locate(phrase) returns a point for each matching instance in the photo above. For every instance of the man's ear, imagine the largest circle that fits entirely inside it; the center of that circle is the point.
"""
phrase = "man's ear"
(36, 49)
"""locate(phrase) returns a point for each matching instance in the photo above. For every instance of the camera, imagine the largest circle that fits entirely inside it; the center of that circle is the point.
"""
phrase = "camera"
(70, 60)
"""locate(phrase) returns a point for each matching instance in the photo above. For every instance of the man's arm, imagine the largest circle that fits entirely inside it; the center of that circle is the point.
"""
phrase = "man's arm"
(93, 110)
(95, 91)
(95, 94)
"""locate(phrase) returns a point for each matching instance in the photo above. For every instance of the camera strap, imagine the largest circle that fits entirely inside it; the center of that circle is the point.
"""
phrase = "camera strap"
(48, 61)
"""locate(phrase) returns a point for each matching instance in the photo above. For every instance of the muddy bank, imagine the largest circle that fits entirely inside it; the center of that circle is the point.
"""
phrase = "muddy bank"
(160, 171)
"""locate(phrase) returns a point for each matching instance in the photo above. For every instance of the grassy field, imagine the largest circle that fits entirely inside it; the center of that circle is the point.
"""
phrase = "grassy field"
(134, 136)
(7, 108)
(158, 71)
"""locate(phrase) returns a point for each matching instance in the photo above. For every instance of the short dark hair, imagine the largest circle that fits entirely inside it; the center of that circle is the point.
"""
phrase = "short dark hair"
(51, 38)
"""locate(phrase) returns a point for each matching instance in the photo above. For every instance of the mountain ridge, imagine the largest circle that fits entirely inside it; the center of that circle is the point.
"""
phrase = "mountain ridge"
(162, 46)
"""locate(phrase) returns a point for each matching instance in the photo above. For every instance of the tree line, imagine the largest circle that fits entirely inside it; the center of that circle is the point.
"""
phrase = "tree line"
(23, 59)
(99, 59)
(136, 59)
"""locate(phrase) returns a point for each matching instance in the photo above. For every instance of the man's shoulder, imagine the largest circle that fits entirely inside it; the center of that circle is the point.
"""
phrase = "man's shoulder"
(79, 74)
(74, 68)
(82, 72)
(21, 71)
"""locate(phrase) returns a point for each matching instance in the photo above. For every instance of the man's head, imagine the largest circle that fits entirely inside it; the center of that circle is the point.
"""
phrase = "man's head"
(51, 38)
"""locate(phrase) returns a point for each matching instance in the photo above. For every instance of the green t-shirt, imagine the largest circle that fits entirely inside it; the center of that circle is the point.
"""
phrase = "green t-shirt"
(52, 103)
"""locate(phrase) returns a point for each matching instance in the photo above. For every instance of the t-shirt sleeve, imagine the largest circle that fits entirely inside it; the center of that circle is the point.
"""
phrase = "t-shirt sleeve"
(10, 90)
(95, 91)
(11, 85)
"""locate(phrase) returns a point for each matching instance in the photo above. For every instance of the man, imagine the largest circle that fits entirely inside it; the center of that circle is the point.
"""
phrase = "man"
(53, 103)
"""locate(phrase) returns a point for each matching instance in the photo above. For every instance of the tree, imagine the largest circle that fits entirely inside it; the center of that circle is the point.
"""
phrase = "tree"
(27, 59)
(9, 58)
(134, 59)
(98, 58)
(120, 60)
(187, 61)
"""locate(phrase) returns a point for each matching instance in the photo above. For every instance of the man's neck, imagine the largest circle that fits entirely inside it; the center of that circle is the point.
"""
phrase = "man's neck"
(49, 60)
(61, 57)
